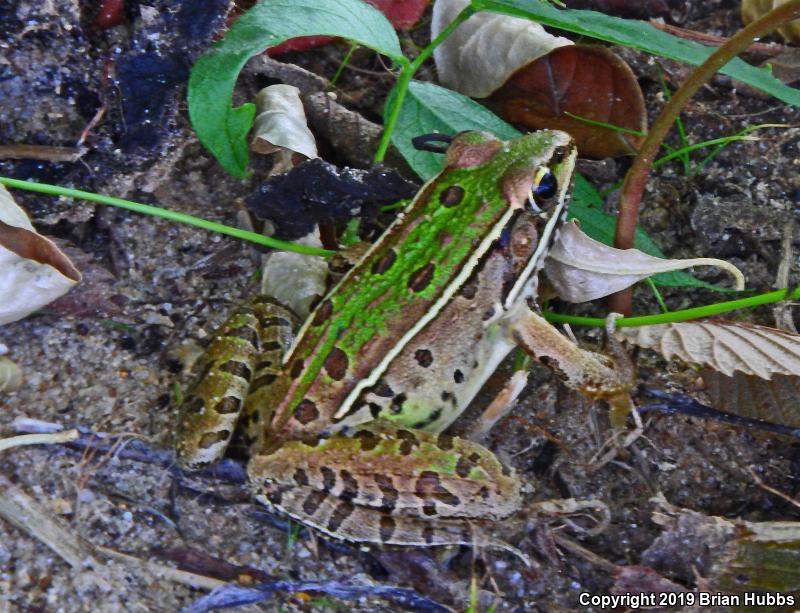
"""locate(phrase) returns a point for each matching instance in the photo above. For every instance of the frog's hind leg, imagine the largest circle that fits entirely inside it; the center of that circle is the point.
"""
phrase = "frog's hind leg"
(241, 353)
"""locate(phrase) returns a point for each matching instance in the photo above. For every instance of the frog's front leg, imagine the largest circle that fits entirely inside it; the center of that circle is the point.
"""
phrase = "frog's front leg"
(388, 485)
(243, 357)
(590, 373)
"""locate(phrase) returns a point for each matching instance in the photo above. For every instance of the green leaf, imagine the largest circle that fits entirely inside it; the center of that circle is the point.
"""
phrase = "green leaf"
(430, 108)
(638, 35)
(222, 128)
(600, 226)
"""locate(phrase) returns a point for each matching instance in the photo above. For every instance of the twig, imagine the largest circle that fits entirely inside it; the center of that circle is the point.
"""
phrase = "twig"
(771, 489)
(636, 179)
(41, 152)
(39, 439)
(770, 49)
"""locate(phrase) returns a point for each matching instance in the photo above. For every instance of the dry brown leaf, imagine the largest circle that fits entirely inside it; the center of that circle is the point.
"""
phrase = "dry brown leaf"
(280, 122)
(33, 271)
(753, 9)
(588, 81)
(776, 400)
(725, 346)
(582, 269)
(487, 49)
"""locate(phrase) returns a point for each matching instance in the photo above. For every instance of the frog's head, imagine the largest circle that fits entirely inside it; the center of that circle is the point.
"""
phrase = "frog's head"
(535, 174)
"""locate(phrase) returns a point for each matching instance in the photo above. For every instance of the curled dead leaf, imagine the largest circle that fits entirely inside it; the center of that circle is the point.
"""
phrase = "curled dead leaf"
(727, 347)
(582, 269)
(33, 271)
(280, 122)
(486, 49)
(10, 375)
(753, 9)
(587, 81)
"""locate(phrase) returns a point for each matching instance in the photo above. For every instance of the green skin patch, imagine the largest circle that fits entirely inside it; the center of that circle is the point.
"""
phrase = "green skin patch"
(405, 279)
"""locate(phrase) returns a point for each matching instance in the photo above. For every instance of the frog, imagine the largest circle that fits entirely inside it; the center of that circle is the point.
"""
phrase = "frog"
(345, 419)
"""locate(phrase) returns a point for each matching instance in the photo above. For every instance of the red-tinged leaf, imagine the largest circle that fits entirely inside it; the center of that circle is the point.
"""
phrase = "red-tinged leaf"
(584, 80)
(402, 13)
(303, 43)
(645, 9)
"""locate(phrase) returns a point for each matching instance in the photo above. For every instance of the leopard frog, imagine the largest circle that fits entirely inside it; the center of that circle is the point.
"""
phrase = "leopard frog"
(345, 418)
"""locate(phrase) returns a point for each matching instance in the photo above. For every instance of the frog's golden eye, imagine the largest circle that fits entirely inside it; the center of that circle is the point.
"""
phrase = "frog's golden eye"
(543, 187)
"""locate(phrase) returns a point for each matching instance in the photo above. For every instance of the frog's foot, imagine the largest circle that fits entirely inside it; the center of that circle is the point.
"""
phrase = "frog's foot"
(389, 486)
(592, 374)
(245, 352)
(586, 518)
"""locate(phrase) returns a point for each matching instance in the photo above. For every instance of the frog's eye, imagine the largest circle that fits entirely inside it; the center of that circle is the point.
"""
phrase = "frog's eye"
(543, 188)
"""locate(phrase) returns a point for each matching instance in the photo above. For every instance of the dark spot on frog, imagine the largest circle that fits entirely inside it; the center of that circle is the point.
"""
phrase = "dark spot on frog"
(422, 277)
(297, 368)
(349, 486)
(445, 442)
(368, 440)
(408, 441)
(336, 364)
(306, 412)
(488, 314)
(390, 493)
(382, 389)
(300, 477)
(429, 485)
(458, 376)
(385, 263)
(429, 508)
(342, 511)
(484, 492)
(428, 534)
(273, 495)
(397, 403)
(263, 381)
(328, 479)
(374, 409)
(423, 357)
(449, 397)
(464, 466)
(271, 346)
(237, 369)
(276, 322)
(228, 405)
(452, 195)
(210, 439)
(246, 333)
(387, 528)
(313, 502)
(323, 313)
(469, 290)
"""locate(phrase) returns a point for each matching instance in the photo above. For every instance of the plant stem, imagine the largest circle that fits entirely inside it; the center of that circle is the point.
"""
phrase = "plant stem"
(708, 310)
(636, 179)
(408, 71)
(57, 190)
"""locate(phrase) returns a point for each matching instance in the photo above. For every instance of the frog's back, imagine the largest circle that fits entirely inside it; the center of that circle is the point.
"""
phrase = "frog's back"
(393, 293)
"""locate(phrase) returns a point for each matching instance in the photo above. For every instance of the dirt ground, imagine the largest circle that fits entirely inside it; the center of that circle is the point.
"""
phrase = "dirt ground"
(109, 358)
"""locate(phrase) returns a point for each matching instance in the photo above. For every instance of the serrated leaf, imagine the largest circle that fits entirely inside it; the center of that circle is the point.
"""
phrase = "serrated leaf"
(485, 50)
(428, 108)
(775, 400)
(638, 35)
(223, 128)
(725, 346)
(582, 269)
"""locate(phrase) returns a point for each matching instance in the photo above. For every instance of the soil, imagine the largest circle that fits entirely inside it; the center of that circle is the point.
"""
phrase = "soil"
(109, 359)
